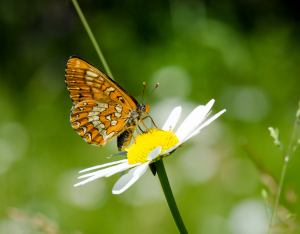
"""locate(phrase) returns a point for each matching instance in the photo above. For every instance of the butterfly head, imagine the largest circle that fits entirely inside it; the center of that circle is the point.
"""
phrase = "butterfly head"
(144, 108)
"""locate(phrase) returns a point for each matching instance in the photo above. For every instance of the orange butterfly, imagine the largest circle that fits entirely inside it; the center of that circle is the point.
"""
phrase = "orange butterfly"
(102, 109)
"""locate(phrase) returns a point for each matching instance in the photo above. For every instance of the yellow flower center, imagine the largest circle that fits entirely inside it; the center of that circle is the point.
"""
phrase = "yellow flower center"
(146, 142)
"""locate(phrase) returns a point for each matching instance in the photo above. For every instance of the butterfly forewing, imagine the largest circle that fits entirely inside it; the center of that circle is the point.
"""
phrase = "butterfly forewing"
(86, 82)
(101, 106)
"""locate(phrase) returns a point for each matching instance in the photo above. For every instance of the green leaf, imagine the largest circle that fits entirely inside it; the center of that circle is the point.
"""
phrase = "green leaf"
(289, 216)
(264, 194)
(274, 133)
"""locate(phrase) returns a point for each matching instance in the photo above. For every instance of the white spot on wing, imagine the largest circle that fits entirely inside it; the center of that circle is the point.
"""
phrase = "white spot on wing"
(102, 132)
(93, 118)
(100, 109)
(96, 123)
(113, 123)
(99, 127)
(119, 108)
(110, 135)
(118, 115)
(89, 78)
(92, 113)
(102, 104)
(91, 74)
(89, 135)
(108, 90)
(84, 129)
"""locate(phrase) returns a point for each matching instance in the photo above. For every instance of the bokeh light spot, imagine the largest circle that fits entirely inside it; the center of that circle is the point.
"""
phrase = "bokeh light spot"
(174, 82)
(198, 164)
(248, 104)
(89, 197)
(11, 226)
(214, 225)
(239, 176)
(15, 134)
(248, 217)
(6, 156)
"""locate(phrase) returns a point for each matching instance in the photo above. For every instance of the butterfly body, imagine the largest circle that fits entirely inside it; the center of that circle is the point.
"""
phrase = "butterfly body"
(102, 109)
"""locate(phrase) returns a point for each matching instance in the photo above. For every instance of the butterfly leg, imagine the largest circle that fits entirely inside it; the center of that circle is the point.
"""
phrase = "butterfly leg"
(151, 121)
(141, 129)
(131, 132)
(142, 120)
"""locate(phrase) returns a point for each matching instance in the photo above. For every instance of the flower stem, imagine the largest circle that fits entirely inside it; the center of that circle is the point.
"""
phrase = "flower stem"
(163, 178)
(286, 160)
(91, 35)
(278, 194)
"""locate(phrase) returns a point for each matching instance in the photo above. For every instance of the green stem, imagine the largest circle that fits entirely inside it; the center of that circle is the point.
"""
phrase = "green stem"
(163, 178)
(293, 136)
(278, 193)
(91, 35)
(286, 159)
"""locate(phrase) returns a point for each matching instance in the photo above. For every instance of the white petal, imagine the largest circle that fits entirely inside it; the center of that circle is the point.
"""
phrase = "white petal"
(191, 135)
(172, 119)
(104, 165)
(124, 183)
(122, 169)
(98, 174)
(105, 171)
(154, 153)
(141, 169)
(196, 131)
(207, 122)
(121, 153)
(193, 120)
(188, 120)
(130, 178)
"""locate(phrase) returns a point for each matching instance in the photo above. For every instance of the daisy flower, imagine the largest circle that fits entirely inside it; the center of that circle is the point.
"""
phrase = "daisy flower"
(152, 146)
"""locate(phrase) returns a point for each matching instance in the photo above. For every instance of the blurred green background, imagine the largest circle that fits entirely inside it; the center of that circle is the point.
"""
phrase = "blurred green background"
(245, 54)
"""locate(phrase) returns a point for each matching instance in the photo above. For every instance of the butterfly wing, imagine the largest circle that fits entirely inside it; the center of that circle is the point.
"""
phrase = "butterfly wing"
(101, 106)
(98, 121)
(86, 82)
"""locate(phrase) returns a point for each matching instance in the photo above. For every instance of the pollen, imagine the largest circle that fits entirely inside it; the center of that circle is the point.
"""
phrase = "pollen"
(146, 142)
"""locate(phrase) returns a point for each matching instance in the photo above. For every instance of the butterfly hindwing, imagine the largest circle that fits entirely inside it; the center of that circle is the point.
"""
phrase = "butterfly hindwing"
(98, 121)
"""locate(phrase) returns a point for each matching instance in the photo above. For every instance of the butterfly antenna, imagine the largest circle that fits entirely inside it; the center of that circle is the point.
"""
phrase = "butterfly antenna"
(144, 83)
(151, 91)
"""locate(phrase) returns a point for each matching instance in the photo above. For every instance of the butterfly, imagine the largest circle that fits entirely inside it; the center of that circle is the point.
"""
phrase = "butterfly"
(102, 109)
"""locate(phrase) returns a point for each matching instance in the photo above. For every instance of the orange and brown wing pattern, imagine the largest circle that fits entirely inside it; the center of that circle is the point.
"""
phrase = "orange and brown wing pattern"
(98, 121)
(86, 82)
